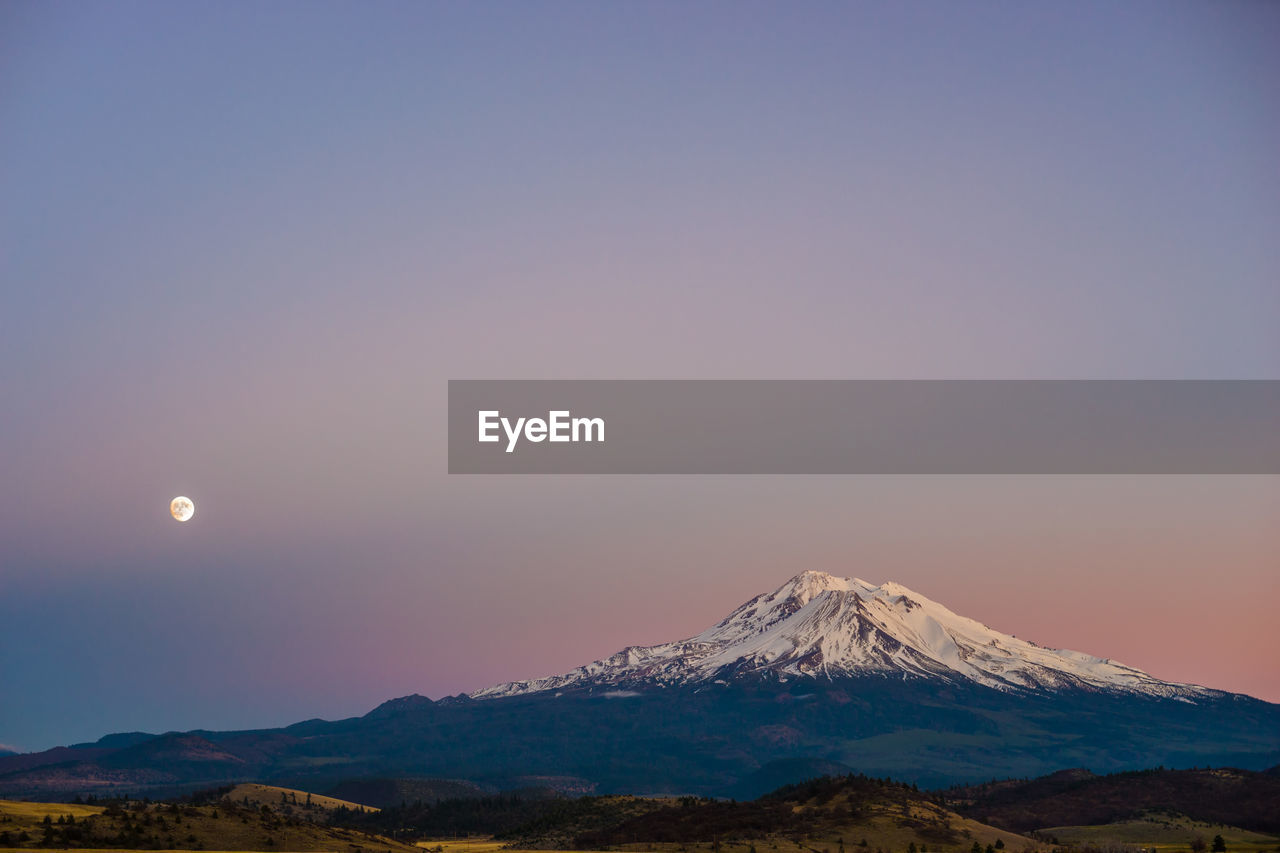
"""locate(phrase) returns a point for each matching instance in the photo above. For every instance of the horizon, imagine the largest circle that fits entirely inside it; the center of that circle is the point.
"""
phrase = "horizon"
(246, 247)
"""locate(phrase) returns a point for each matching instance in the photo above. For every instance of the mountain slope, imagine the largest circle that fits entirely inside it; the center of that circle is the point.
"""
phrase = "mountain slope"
(820, 625)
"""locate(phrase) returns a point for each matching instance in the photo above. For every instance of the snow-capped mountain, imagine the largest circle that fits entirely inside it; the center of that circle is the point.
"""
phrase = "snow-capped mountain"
(824, 675)
(818, 625)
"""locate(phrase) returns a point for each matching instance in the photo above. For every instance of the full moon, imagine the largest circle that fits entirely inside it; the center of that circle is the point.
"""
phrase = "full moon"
(182, 508)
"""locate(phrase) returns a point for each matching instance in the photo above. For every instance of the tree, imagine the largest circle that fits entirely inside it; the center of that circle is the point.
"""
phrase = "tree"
(1198, 845)
(999, 843)
(1219, 844)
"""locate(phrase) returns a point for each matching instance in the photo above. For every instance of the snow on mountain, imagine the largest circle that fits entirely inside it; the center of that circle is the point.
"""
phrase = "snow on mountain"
(818, 625)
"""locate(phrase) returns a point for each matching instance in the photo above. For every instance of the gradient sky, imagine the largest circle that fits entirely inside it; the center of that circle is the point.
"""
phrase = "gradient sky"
(243, 246)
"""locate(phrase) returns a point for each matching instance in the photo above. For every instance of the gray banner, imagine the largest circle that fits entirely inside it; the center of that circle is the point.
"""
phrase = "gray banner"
(863, 427)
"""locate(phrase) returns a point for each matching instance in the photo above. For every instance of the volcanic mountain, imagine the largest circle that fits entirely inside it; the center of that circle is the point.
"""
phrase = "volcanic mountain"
(821, 626)
(824, 675)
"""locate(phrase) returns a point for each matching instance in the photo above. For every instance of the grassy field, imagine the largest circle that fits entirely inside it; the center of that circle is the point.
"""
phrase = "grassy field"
(482, 844)
(21, 811)
(1164, 832)
(17, 817)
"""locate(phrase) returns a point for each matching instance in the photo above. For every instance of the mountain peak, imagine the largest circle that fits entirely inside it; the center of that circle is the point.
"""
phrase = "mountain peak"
(824, 580)
(820, 625)
(402, 705)
(810, 583)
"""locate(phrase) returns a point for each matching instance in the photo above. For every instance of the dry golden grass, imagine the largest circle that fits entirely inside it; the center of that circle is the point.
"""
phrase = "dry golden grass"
(22, 811)
(480, 844)
(17, 816)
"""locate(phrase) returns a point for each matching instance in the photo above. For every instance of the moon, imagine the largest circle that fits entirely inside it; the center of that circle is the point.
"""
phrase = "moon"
(182, 508)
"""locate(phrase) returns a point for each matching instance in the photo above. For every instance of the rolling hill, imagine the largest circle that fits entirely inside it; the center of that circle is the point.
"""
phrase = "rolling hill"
(828, 813)
(316, 806)
(220, 825)
(1080, 798)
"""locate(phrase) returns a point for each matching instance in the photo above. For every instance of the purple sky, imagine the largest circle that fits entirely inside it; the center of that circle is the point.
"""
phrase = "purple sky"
(243, 246)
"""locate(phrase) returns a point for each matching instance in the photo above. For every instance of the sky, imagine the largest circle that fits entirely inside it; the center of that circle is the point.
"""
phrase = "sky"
(244, 246)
